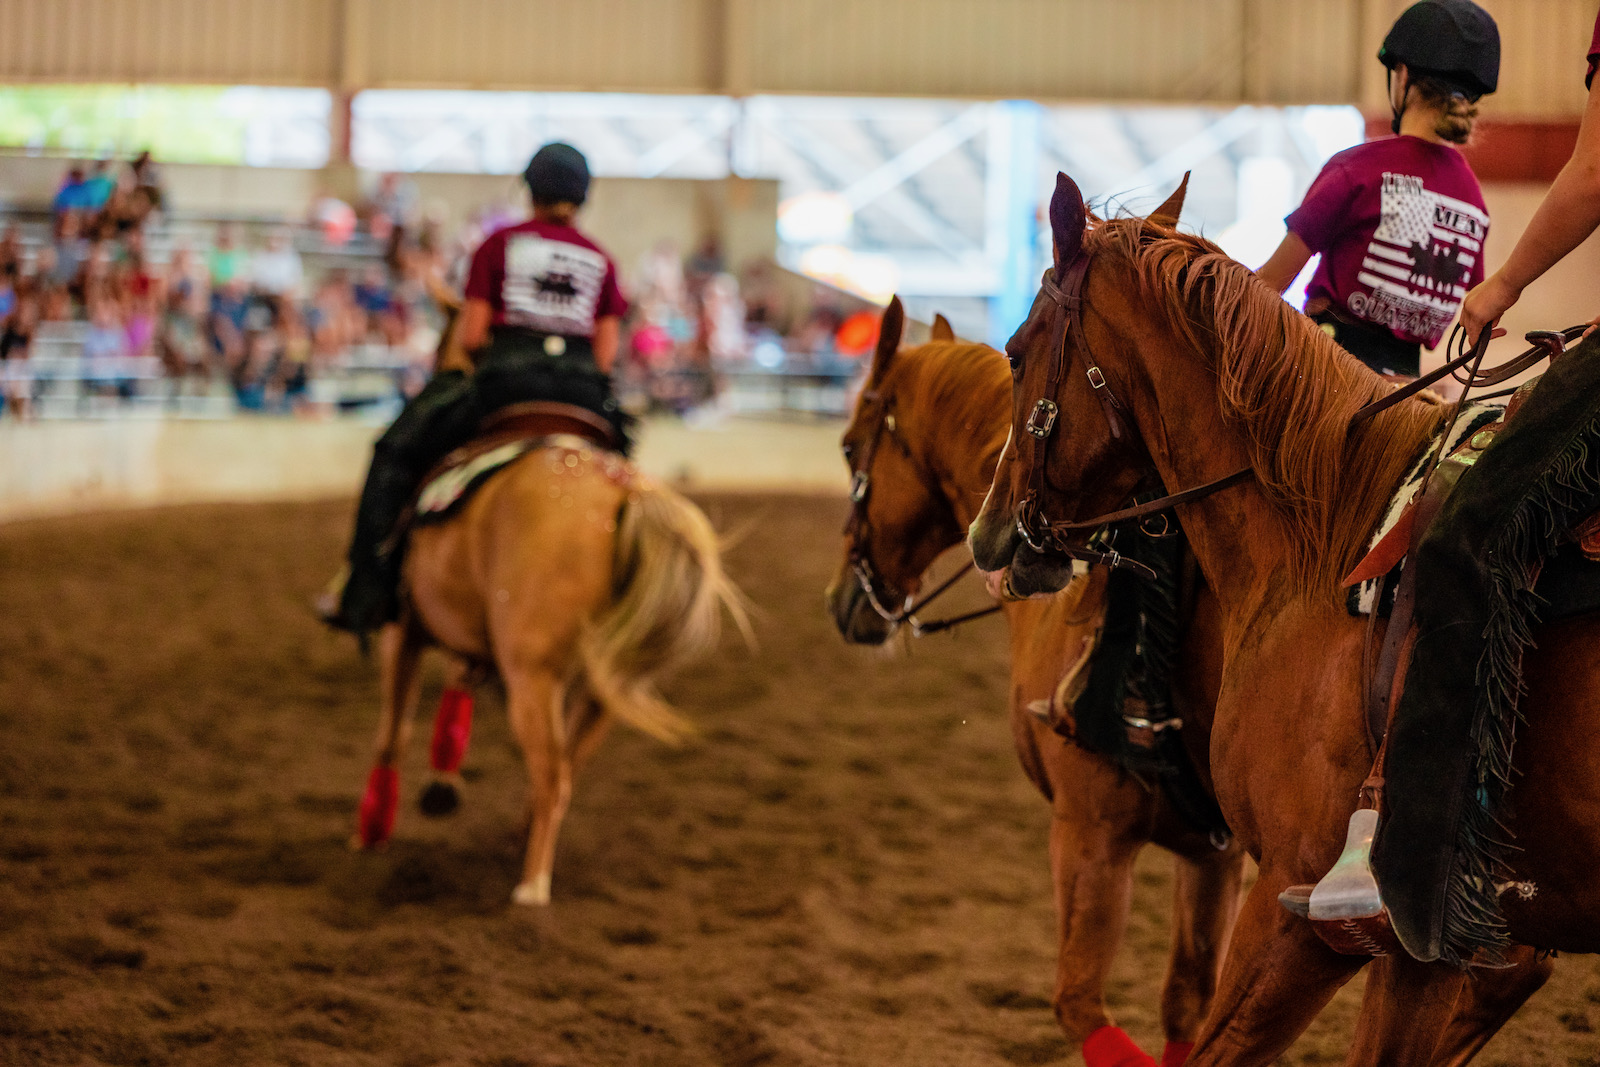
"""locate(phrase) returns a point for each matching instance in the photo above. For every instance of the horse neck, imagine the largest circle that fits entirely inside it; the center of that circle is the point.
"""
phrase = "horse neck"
(1239, 538)
(961, 448)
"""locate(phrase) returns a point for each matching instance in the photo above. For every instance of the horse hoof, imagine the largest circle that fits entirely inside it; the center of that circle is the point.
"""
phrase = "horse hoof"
(439, 799)
(535, 893)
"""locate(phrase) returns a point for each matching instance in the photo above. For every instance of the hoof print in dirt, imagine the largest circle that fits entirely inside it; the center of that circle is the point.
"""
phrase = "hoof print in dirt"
(439, 799)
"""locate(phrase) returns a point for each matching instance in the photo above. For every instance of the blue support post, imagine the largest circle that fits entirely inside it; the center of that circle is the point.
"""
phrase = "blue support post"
(1013, 214)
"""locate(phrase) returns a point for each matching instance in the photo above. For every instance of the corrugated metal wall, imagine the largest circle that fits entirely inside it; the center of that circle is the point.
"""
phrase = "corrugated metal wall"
(1270, 51)
(276, 42)
(1028, 48)
(590, 44)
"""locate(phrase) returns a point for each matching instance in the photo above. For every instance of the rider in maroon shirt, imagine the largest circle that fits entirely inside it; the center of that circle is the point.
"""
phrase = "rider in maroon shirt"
(541, 322)
(1400, 222)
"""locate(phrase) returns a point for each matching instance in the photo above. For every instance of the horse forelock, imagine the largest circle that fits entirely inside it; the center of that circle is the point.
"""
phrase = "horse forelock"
(1288, 385)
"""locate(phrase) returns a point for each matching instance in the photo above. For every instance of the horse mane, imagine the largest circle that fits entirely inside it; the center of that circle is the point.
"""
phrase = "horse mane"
(965, 386)
(1290, 386)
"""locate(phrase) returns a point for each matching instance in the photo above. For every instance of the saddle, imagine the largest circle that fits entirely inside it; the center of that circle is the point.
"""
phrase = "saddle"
(503, 436)
(1562, 577)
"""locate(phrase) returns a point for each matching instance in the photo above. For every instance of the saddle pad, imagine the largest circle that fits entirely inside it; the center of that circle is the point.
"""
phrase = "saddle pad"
(448, 489)
(1475, 417)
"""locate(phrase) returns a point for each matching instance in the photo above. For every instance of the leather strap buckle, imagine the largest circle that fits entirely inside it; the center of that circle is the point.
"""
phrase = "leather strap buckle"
(1146, 733)
(1096, 377)
(1043, 418)
(860, 482)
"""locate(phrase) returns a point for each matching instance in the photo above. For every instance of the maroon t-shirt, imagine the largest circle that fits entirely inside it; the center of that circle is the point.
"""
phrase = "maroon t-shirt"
(1400, 223)
(545, 277)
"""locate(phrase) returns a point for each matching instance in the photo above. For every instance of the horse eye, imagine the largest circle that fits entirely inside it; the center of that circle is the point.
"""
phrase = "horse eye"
(1013, 357)
(849, 453)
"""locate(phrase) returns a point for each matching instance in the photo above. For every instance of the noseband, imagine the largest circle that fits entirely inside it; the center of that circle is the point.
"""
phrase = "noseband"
(1037, 531)
(858, 528)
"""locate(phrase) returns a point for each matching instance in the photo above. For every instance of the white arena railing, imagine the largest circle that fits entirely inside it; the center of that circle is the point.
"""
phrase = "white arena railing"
(60, 382)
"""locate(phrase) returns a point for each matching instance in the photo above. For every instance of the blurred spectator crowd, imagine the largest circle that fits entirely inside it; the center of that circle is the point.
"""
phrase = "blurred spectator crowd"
(695, 327)
(235, 313)
(256, 317)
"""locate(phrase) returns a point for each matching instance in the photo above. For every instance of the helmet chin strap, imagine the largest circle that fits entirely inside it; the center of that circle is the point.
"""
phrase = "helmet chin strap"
(1394, 123)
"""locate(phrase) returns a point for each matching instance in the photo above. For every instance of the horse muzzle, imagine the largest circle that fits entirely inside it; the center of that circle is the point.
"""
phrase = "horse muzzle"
(1038, 573)
(853, 615)
(998, 546)
(993, 539)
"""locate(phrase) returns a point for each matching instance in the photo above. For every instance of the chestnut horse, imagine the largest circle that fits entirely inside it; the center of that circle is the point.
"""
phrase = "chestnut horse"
(925, 436)
(581, 582)
(1199, 370)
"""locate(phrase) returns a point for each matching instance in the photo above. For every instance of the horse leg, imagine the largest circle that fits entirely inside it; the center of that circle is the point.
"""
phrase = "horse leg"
(452, 728)
(587, 728)
(1205, 903)
(1428, 1013)
(400, 646)
(1092, 868)
(537, 705)
(1277, 977)
(1487, 1002)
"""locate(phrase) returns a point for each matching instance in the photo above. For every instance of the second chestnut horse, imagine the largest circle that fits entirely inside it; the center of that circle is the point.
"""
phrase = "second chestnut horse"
(923, 444)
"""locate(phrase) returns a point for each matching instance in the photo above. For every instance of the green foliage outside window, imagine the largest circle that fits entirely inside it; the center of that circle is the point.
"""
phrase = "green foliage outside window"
(238, 124)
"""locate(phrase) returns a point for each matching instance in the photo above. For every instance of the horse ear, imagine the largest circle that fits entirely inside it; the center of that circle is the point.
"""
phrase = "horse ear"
(941, 329)
(889, 334)
(1068, 219)
(1167, 214)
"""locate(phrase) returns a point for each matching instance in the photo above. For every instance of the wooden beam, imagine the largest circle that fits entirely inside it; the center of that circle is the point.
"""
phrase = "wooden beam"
(355, 28)
(737, 79)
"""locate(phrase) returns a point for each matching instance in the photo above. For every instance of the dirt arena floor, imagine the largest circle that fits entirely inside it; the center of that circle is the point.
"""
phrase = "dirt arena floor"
(847, 867)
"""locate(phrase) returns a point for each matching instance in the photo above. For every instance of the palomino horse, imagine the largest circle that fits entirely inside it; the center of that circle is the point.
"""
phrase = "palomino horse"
(1152, 349)
(923, 443)
(581, 582)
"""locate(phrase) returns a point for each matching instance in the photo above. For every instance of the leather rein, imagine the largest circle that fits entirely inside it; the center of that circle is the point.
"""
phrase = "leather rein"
(858, 529)
(1041, 534)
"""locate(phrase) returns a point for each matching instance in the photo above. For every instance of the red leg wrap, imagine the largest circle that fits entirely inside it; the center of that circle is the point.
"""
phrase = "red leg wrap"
(1109, 1046)
(1176, 1053)
(375, 818)
(451, 729)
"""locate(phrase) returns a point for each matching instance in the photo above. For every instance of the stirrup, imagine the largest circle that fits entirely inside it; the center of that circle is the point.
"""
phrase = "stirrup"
(1346, 908)
(327, 603)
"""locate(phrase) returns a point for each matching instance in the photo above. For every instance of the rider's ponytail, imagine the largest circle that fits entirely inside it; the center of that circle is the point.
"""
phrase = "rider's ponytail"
(1455, 113)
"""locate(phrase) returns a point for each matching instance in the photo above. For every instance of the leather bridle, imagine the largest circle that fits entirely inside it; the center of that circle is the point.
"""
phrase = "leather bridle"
(1037, 531)
(858, 528)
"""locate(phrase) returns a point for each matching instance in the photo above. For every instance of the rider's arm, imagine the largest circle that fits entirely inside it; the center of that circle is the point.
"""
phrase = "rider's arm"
(607, 332)
(1569, 213)
(473, 332)
(1314, 226)
(1286, 263)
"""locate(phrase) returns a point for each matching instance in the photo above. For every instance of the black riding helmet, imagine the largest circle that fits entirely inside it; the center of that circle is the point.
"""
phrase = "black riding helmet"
(557, 173)
(1453, 41)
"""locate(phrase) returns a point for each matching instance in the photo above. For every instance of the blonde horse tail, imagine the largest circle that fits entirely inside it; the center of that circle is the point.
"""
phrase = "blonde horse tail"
(669, 595)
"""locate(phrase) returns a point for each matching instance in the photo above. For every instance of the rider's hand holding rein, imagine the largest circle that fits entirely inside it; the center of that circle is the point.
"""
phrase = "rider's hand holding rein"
(1569, 213)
